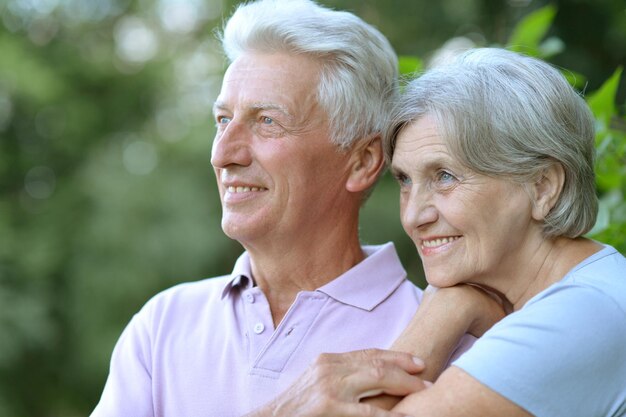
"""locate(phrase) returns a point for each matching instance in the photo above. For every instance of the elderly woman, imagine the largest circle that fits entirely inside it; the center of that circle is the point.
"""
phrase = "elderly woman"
(494, 155)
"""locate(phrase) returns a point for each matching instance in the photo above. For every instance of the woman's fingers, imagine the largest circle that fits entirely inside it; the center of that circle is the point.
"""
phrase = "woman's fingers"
(356, 375)
(377, 376)
(334, 384)
(405, 361)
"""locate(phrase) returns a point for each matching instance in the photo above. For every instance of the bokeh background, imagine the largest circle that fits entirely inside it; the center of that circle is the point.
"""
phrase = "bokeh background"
(106, 191)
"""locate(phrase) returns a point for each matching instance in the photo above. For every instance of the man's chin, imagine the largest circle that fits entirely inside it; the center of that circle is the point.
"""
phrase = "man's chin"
(241, 231)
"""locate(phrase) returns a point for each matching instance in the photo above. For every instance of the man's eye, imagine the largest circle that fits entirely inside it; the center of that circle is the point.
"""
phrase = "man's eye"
(267, 120)
(222, 120)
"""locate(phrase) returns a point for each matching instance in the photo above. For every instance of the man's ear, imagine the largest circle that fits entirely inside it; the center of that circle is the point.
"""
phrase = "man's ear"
(366, 163)
(547, 190)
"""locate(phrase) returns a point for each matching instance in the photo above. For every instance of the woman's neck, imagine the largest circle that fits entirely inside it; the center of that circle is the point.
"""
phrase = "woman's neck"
(548, 265)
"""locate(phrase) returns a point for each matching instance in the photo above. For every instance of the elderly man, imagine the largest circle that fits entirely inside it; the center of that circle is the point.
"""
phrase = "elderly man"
(297, 150)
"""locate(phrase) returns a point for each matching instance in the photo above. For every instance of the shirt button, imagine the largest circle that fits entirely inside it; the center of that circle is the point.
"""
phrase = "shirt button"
(249, 298)
(258, 328)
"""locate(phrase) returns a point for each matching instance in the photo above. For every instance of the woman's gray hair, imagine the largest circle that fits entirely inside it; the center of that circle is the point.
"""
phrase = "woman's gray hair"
(359, 72)
(510, 116)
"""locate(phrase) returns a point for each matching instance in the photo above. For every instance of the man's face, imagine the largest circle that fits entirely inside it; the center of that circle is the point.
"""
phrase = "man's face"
(278, 174)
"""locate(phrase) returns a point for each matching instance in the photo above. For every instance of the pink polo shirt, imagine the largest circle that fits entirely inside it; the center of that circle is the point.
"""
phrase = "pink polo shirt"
(209, 348)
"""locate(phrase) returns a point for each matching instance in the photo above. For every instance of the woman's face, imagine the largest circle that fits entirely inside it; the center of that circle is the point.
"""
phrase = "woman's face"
(467, 227)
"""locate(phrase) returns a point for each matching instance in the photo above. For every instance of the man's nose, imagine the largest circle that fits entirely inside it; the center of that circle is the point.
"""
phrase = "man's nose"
(231, 146)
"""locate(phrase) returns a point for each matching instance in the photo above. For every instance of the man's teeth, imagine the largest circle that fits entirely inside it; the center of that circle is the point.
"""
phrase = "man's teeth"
(438, 242)
(232, 189)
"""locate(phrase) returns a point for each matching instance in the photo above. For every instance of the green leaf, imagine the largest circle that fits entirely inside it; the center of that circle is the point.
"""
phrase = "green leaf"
(602, 102)
(608, 173)
(529, 32)
(409, 65)
(604, 140)
(611, 211)
(551, 46)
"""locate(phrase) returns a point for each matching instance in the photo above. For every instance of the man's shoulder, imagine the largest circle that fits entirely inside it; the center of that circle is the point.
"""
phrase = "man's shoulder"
(203, 285)
(189, 296)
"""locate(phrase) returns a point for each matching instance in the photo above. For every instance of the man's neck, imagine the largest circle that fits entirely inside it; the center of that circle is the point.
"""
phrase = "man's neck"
(282, 274)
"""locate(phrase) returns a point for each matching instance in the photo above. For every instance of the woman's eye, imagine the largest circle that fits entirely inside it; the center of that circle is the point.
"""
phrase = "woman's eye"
(403, 180)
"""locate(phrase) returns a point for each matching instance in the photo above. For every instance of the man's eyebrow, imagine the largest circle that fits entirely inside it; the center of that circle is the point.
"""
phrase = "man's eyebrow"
(254, 107)
(287, 116)
(218, 105)
(269, 106)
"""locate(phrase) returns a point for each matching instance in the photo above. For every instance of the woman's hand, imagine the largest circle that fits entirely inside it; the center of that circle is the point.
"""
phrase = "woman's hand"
(335, 383)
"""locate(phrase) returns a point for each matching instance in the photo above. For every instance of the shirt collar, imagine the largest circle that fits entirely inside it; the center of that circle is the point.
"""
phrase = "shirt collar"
(369, 282)
(241, 276)
(364, 286)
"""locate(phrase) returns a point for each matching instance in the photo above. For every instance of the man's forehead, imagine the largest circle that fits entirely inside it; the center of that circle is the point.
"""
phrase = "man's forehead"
(271, 72)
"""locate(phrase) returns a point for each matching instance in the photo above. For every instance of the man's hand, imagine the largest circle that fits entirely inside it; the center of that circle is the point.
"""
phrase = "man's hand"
(334, 384)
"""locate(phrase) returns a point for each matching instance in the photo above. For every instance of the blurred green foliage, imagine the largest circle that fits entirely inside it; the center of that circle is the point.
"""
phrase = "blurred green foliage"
(528, 35)
(106, 191)
(610, 165)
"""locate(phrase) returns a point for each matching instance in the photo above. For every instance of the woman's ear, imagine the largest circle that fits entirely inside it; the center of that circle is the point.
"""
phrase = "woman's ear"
(547, 190)
(366, 163)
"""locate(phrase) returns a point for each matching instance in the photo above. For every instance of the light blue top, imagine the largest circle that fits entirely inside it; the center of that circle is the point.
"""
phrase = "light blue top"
(564, 352)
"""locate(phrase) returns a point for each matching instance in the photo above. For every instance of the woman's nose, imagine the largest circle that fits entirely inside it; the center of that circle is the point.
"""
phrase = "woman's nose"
(417, 210)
